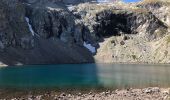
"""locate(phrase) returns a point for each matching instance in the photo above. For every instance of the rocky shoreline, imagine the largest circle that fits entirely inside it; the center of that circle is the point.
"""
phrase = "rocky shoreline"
(3, 65)
(150, 93)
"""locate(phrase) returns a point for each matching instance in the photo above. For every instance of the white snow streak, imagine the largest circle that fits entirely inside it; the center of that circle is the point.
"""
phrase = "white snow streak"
(70, 7)
(90, 47)
(29, 25)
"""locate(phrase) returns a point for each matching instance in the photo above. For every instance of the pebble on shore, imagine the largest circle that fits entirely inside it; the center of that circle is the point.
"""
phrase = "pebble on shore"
(151, 93)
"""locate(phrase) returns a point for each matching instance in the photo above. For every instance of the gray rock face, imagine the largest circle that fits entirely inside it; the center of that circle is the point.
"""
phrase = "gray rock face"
(50, 32)
(160, 9)
(64, 1)
(114, 22)
(13, 28)
(52, 43)
(52, 22)
(124, 22)
(103, 21)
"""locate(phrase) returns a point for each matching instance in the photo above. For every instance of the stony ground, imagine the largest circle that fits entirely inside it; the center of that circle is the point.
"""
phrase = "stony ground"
(140, 47)
(152, 93)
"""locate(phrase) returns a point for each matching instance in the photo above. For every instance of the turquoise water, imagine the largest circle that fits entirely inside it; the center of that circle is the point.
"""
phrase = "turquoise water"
(85, 75)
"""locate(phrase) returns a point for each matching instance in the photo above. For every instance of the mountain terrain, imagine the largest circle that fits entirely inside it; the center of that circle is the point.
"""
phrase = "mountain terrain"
(53, 32)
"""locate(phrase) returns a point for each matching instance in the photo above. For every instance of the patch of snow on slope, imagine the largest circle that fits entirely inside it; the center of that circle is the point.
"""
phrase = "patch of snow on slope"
(50, 8)
(29, 25)
(70, 7)
(27, 3)
(90, 47)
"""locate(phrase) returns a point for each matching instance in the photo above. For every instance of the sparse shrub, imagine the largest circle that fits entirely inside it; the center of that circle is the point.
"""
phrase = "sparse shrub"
(166, 53)
(168, 40)
(134, 57)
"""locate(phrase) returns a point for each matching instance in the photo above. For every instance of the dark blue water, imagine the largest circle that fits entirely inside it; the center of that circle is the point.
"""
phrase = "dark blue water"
(85, 76)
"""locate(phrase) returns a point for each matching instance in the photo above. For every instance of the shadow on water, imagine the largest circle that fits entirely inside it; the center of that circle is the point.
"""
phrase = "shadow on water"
(79, 76)
(62, 76)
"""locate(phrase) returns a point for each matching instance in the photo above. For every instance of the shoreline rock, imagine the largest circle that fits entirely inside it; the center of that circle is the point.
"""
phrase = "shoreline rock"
(151, 93)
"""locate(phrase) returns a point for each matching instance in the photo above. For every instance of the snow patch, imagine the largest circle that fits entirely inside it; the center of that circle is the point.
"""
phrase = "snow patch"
(70, 7)
(102, 1)
(29, 25)
(89, 47)
(50, 8)
(27, 4)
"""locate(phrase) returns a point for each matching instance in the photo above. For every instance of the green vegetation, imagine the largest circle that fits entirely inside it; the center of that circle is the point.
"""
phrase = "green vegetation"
(160, 32)
(134, 57)
(164, 2)
(150, 1)
(140, 10)
(168, 39)
(166, 53)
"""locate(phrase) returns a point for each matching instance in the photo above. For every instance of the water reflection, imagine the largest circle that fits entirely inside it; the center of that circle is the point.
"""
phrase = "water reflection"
(49, 76)
(85, 75)
(125, 75)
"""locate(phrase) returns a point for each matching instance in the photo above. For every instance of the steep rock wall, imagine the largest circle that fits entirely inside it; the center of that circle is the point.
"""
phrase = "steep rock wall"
(50, 32)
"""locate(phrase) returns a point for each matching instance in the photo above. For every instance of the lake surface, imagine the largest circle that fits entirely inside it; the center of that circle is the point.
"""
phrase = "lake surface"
(85, 75)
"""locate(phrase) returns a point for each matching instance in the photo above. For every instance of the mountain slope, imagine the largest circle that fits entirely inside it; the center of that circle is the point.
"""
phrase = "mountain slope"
(51, 32)
(20, 46)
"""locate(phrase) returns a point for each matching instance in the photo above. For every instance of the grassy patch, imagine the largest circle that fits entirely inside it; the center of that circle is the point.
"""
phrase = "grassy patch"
(140, 10)
(150, 1)
(134, 57)
(168, 40)
(166, 53)
(160, 32)
(163, 2)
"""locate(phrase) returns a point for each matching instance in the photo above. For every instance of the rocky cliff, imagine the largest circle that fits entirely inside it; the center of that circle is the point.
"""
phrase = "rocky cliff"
(50, 32)
(38, 33)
